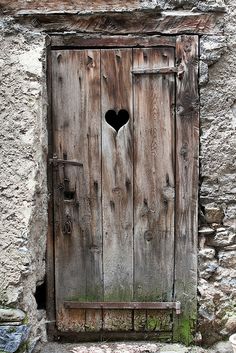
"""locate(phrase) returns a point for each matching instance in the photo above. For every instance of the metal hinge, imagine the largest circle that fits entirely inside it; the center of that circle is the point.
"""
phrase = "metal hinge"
(55, 161)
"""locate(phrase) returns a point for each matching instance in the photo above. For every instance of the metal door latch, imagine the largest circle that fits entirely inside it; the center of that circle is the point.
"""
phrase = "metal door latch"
(55, 161)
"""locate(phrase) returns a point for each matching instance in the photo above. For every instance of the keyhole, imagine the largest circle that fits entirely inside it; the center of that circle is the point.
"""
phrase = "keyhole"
(116, 121)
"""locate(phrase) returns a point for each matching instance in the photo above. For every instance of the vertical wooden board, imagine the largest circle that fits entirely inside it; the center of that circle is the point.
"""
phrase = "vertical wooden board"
(94, 320)
(159, 320)
(50, 285)
(117, 320)
(77, 135)
(72, 320)
(117, 179)
(154, 183)
(140, 320)
(187, 145)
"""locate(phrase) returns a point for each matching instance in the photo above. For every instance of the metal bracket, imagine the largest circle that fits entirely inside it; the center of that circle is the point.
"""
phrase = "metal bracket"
(55, 161)
(124, 305)
(162, 70)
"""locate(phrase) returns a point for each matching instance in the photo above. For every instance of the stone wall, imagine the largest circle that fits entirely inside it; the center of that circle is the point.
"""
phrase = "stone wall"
(217, 218)
(23, 197)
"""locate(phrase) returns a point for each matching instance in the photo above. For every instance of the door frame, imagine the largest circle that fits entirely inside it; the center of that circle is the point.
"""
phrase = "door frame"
(186, 177)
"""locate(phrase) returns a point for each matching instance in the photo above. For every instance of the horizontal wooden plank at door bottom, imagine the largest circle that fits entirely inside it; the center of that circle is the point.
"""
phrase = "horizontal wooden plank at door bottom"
(122, 305)
(84, 41)
(112, 336)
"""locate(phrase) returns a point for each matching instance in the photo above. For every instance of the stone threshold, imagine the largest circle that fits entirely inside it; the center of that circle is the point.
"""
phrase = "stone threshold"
(131, 347)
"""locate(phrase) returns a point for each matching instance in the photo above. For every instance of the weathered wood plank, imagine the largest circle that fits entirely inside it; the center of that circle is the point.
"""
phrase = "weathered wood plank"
(140, 320)
(121, 305)
(82, 6)
(115, 320)
(153, 177)
(77, 136)
(116, 335)
(94, 320)
(75, 6)
(71, 320)
(50, 278)
(187, 145)
(87, 41)
(117, 183)
(159, 320)
(138, 22)
(162, 70)
(153, 320)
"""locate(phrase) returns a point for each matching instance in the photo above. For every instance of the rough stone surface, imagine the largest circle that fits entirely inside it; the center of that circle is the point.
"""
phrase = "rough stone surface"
(206, 231)
(132, 347)
(222, 347)
(213, 214)
(212, 48)
(128, 347)
(217, 281)
(12, 337)
(227, 259)
(230, 325)
(23, 197)
(222, 238)
(11, 315)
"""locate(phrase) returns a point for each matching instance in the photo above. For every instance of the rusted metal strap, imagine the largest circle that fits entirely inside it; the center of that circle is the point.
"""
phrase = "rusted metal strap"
(123, 305)
(162, 70)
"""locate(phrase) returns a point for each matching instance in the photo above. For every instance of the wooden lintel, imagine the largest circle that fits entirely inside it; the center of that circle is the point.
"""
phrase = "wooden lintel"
(140, 22)
(48, 6)
(86, 41)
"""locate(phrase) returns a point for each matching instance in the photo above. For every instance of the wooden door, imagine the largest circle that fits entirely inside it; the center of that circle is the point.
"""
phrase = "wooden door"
(114, 185)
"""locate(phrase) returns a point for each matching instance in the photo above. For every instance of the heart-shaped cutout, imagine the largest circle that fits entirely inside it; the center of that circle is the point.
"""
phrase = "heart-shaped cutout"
(116, 121)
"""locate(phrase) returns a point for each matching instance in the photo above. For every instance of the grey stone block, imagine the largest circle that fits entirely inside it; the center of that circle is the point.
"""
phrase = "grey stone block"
(11, 337)
(8, 315)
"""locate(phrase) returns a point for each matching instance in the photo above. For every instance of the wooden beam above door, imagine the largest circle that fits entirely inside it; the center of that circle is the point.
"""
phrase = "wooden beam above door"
(126, 22)
(117, 41)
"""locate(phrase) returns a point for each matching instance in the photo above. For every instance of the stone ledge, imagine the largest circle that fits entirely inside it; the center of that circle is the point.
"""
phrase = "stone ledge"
(11, 315)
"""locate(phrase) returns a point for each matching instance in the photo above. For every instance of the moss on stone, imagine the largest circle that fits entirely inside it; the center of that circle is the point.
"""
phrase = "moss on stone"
(23, 347)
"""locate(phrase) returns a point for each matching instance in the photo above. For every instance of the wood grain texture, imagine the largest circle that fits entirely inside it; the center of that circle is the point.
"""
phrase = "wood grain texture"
(114, 336)
(187, 145)
(121, 305)
(159, 321)
(153, 321)
(50, 277)
(122, 201)
(84, 7)
(88, 41)
(117, 186)
(64, 6)
(137, 22)
(154, 183)
(77, 135)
